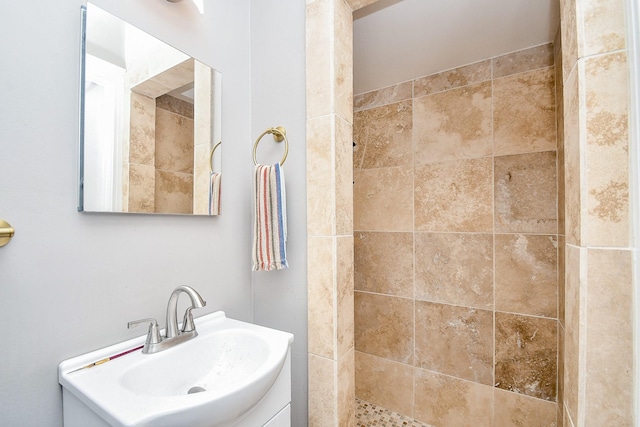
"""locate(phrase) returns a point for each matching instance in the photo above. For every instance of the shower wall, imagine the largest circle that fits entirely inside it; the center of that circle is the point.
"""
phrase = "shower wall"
(174, 155)
(159, 176)
(599, 322)
(139, 177)
(456, 244)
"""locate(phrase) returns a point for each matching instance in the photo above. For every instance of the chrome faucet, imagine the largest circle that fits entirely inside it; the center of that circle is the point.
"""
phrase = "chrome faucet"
(155, 342)
(172, 311)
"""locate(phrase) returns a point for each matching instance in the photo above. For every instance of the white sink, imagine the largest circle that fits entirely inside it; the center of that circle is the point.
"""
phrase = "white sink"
(214, 379)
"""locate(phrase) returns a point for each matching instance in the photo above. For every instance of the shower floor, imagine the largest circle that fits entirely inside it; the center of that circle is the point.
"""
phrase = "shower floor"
(370, 415)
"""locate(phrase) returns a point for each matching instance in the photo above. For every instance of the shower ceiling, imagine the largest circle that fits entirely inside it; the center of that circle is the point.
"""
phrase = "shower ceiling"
(398, 40)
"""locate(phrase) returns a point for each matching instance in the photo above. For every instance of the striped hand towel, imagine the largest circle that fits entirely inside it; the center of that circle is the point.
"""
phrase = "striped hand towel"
(214, 194)
(270, 227)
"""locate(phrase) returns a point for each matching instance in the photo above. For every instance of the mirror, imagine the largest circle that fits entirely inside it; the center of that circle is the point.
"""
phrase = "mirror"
(149, 121)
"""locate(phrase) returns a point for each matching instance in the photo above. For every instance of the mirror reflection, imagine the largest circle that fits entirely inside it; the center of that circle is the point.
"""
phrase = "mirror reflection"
(150, 119)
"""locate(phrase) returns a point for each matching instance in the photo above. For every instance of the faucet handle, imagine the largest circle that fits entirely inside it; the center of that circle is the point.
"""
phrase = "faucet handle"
(187, 323)
(153, 337)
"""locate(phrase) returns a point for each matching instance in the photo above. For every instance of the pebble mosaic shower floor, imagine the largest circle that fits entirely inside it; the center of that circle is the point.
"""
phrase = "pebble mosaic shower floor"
(370, 415)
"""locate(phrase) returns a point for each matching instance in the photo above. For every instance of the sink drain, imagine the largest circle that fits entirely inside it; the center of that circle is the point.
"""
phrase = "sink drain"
(196, 389)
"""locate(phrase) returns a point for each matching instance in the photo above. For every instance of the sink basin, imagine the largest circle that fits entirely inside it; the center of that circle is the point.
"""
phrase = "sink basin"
(214, 379)
(234, 355)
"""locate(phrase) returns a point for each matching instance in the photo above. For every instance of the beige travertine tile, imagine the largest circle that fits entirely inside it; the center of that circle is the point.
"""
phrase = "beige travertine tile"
(343, 177)
(387, 95)
(451, 125)
(384, 382)
(527, 274)
(516, 410)
(560, 130)
(202, 178)
(344, 294)
(603, 24)
(523, 60)
(609, 354)
(446, 401)
(561, 279)
(360, 130)
(175, 105)
(346, 402)
(560, 399)
(561, 189)
(327, 183)
(320, 179)
(463, 76)
(204, 87)
(443, 330)
(160, 74)
(607, 151)
(559, 416)
(125, 186)
(384, 263)
(572, 330)
(567, 418)
(319, 58)
(142, 130)
(174, 142)
(330, 182)
(572, 160)
(322, 391)
(569, 36)
(526, 193)
(526, 355)
(454, 268)
(142, 182)
(174, 192)
(387, 136)
(383, 199)
(454, 196)
(359, 4)
(320, 279)
(524, 116)
(557, 53)
(343, 59)
(384, 326)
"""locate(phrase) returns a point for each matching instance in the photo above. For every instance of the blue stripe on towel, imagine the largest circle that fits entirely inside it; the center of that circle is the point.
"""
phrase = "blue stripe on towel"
(281, 237)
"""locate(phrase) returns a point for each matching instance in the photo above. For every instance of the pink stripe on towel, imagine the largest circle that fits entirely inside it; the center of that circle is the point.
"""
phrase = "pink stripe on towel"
(270, 229)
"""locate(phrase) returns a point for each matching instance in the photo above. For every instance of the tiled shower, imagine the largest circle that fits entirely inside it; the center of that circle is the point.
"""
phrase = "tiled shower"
(457, 241)
(159, 176)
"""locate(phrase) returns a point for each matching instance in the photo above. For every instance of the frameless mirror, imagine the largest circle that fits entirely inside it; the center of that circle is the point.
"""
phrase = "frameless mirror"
(149, 123)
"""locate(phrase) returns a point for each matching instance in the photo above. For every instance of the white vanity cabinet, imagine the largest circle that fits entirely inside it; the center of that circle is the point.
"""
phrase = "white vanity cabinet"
(275, 409)
(232, 374)
(283, 419)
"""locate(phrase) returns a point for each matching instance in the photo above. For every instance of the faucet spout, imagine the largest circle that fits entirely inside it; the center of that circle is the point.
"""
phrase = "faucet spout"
(172, 307)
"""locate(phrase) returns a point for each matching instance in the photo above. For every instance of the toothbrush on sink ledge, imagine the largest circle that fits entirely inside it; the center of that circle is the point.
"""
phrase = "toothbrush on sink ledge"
(106, 359)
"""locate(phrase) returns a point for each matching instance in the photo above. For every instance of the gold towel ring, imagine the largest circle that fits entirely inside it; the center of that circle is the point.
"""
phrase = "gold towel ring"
(279, 133)
(213, 150)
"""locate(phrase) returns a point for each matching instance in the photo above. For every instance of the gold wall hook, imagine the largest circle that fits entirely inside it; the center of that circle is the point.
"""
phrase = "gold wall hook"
(6, 232)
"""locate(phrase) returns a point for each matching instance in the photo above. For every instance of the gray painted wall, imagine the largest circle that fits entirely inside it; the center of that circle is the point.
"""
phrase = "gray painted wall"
(70, 281)
(278, 98)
